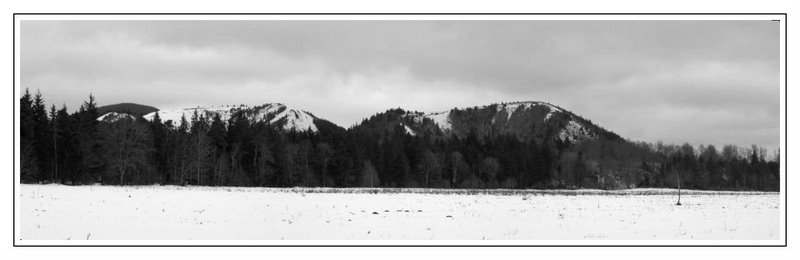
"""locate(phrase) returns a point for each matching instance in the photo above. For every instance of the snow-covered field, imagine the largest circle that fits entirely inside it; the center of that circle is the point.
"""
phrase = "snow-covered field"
(190, 213)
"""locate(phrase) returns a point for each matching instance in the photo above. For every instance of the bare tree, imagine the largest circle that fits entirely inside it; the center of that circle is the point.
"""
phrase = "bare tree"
(369, 176)
(201, 147)
(488, 169)
(126, 147)
(429, 168)
(325, 152)
(460, 168)
(263, 159)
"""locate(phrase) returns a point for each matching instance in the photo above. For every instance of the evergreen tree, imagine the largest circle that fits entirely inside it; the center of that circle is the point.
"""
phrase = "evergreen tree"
(68, 152)
(89, 140)
(42, 138)
(216, 135)
(56, 131)
(182, 151)
(160, 154)
(29, 161)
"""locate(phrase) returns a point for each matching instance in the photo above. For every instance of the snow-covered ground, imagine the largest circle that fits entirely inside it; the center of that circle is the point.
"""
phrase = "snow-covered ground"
(220, 213)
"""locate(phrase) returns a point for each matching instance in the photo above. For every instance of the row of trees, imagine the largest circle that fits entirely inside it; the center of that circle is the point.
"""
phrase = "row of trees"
(204, 150)
(613, 165)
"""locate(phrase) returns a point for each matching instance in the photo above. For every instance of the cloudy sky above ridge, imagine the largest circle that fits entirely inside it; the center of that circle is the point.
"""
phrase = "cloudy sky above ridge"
(709, 82)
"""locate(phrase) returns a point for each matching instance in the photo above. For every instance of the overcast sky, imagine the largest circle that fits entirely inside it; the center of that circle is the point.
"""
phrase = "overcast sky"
(702, 82)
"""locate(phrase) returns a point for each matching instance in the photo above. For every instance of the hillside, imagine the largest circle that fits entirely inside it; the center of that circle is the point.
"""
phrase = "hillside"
(127, 108)
(528, 121)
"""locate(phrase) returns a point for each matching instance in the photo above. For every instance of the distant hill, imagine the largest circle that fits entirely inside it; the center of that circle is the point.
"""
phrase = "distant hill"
(532, 120)
(127, 108)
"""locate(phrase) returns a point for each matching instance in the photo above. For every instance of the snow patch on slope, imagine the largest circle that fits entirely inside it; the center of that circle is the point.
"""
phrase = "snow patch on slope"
(293, 119)
(114, 116)
(442, 119)
(409, 131)
(553, 110)
(296, 120)
(547, 117)
(574, 131)
(512, 107)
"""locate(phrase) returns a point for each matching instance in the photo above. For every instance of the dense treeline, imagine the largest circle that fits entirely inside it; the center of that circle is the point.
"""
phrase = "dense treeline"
(58, 147)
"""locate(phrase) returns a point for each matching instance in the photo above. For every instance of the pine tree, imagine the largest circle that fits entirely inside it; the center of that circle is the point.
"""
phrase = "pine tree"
(42, 138)
(216, 134)
(182, 153)
(56, 131)
(29, 162)
(159, 134)
(89, 139)
(68, 152)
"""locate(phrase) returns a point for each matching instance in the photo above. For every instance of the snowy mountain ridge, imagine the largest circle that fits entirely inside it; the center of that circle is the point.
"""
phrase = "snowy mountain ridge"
(527, 120)
(273, 113)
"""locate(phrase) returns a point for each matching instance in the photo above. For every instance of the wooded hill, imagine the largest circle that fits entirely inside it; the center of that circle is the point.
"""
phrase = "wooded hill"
(511, 145)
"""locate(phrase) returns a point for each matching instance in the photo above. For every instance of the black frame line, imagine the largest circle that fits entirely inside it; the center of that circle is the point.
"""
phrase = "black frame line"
(784, 152)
